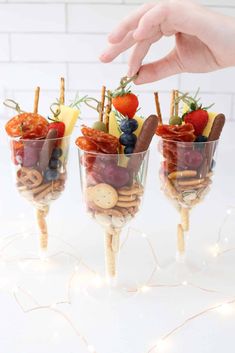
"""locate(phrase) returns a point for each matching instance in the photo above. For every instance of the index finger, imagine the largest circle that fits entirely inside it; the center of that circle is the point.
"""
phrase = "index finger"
(129, 23)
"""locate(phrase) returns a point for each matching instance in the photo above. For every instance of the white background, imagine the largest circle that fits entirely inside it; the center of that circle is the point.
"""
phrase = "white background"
(40, 41)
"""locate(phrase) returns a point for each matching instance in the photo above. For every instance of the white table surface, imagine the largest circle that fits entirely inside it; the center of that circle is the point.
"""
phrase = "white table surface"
(134, 322)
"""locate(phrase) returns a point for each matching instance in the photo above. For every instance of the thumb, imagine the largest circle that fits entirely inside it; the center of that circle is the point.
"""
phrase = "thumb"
(168, 66)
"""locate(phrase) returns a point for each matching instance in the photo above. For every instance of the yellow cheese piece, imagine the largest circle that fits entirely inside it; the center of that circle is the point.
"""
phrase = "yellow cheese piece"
(140, 122)
(207, 130)
(113, 125)
(69, 117)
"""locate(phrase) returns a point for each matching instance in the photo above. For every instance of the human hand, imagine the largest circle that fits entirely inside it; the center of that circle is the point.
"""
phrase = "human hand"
(204, 39)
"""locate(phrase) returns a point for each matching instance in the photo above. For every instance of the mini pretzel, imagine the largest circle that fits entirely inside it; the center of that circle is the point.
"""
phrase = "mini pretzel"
(182, 174)
(51, 188)
(30, 177)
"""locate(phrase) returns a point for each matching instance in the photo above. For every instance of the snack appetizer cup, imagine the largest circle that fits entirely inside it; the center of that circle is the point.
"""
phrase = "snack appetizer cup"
(39, 153)
(188, 147)
(113, 160)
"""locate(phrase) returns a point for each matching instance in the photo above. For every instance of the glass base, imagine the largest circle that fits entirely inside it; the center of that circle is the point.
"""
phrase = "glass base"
(23, 250)
(181, 271)
(134, 268)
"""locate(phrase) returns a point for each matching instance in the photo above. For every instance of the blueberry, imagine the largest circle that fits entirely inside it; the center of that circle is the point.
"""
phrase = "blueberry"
(129, 149)
(128, 140)
(128, 125)
(56, 153)
(54, 163)
(201, 138)
(51, 174)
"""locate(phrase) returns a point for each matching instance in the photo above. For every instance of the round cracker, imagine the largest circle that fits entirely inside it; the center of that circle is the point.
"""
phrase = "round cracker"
(104, 196)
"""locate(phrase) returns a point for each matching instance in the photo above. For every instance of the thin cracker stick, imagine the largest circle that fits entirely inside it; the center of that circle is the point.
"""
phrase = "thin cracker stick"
(185, 218)
(172, 108)
(180, 239)
(158, 108)
(62, 90)
(110, 258)
(36, 100)
(101, 112)
(108, 110)
(41, 218)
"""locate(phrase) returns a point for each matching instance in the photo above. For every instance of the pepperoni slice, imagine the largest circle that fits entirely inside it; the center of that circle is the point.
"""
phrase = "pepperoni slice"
(27, 126)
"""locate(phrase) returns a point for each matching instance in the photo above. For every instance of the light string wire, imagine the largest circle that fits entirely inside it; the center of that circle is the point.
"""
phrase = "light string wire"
(139, 289)
(157, 347)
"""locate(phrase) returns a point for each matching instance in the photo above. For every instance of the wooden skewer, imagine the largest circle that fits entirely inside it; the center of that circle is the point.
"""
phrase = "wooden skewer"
(158, 108)
(62, 90)
(176, 103)
(101, 112)
(108, 110)
(36, 100)
(172, 109)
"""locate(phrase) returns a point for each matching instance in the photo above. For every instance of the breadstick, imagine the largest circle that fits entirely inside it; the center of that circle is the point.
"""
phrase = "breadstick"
(158, 108)
(101, 110)
(62, 90)
(110, 258)
(172, 106)
(107, 111)
(36, 100)
(185, 218)
(180, 239)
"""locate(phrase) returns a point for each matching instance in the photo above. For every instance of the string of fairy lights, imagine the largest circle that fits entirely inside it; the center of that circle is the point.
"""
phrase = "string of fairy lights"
(162, 344)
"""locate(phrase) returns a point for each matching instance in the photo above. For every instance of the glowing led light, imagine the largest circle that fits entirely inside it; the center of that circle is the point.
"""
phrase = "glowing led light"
(91, 349)
(215, 250)
(145, 289)
(53, 306)
(225, 309)
(184, 283)
(97, 281)
(229, 211)
(144, 235)
(76, 268)
(161, 346)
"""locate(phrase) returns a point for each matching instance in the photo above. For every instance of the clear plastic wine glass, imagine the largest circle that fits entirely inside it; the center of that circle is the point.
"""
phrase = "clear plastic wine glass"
(39, 173)
(113, 187)
(186, 175)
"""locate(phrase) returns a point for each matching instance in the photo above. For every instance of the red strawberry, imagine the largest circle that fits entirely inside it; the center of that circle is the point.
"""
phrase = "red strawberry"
(199, 119)
(126, 104)
(59, 126)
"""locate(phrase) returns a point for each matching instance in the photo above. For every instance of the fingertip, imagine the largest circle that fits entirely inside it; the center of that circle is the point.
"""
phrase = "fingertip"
(104, 58)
